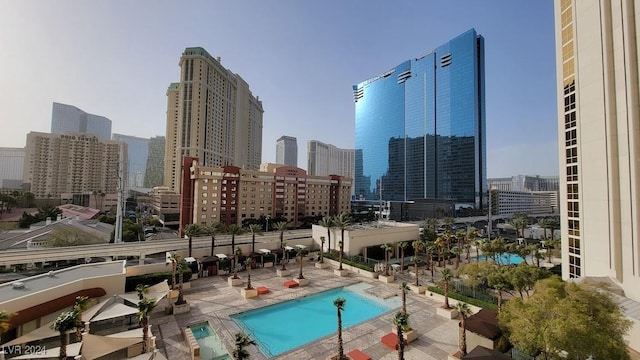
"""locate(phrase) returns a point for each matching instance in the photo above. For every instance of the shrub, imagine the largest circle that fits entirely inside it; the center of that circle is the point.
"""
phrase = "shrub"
(468, 300)
(335, 255)
(154, 278)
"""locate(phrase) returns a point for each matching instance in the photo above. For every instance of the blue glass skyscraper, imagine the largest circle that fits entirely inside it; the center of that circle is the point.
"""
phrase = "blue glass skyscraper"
(420, 127)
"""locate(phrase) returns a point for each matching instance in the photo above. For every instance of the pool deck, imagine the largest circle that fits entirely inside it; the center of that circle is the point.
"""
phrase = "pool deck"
(213, 300)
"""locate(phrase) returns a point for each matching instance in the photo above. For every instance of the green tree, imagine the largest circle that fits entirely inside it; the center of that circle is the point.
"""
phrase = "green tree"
(192, 230)
(80, 306)
(524, 276)
(213, 229)
(65, 322)
(478, 245)
(551, 244)
(281, 226)
(342, 221)
(544, 224)
(401, 321)
(475, 274)
(519, 222)
(388, 249)
(242, 340)
(142, 290)
(566, 320)
(182, 268)
(403, 246)
(254, 229)
(339, 303)
(464, 311)
(446, 279)
(327, 223)
(418, 247)
(71, 236)
(145, 307)
(498, 278)
(174, 259)
(5, 318)
(234, 230)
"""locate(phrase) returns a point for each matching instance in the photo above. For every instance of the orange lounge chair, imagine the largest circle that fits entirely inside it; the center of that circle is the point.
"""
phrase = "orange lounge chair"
(356, 354)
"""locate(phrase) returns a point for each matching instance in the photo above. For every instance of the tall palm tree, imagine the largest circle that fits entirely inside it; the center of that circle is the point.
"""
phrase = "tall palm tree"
(544, 224)
(519, 221)
(236, 255)
(403, 245)
(66, 321)
(470, 238)
(551, 243)
(242, 340)
(142, 289)
(464, 311)
(182, 267)
(441, 243)
(458, 251)
(327, 222)
(281, 226)
(446, 278)
(401, 321)
(145, 307)
(213, 229)
(254, 229)
(478, 245)
(80, 305)
(342, 221)
(339, 304)
(192, 230)
(404, 288)
(388, 249)
(418, 247)
(234, 230)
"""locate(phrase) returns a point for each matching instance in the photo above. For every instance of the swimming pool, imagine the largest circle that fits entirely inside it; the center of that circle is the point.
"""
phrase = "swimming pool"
(507, 258)
(211, 348)
(286, 326)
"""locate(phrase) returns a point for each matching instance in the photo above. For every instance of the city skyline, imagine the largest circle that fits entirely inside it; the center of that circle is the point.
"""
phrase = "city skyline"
(300, 59)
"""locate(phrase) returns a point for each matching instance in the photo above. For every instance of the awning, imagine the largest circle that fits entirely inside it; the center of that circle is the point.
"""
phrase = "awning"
(301, 246)
(157, 291)
(221, 256)
(265, 251)
(288, 247)
(73, 350)
(114, 310)
(96, 346)
(190, 259)
(41, 333)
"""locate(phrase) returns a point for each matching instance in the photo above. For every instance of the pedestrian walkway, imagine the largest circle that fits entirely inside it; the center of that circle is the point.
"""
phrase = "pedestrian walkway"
(213, 300)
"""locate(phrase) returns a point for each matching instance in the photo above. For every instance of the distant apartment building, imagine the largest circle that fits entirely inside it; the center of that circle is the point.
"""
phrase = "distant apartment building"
(165, 203)
(326, 159)
(137, 154)
(525, 183)
(211, 115)
(68, 118)
(230, 195)
(73, 163)
(287, 151)
(505, 202)
(11, 167)
(154, 173)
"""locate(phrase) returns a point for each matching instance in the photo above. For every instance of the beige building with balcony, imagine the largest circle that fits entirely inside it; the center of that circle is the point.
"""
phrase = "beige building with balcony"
(74, 163)
(211, 115)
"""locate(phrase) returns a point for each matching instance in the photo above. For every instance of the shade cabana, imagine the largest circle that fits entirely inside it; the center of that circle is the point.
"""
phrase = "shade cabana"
(41, 333)
(114, 310)
(157, 291)
(96, 346)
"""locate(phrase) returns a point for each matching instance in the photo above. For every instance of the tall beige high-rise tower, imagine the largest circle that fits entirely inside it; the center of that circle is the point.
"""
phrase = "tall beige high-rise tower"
(599, 140)
(211, 115)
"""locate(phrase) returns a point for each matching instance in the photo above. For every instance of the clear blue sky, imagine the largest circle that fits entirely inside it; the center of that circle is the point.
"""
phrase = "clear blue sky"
(116, 59)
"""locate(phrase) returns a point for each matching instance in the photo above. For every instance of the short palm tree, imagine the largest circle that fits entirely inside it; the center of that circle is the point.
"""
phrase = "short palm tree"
(213, 229)
(254, 229)
(404, 288)
(342, 221)
(403, 246)
(249, 264)
(401, 321)
(242, 340)
(388, 249)
(66, 321)
(182, 267)
(322, 249)
(284, 256)
(174, 259)
(339, 304)
(234, 230)
(80, 305)
(192, 230)
(464, 311)
(327, 222)
(281, 226)
(142, 289)
(236, 254)
(145, 307)
(418, 247)
(446, 278)
(551, 243)
(301, 252)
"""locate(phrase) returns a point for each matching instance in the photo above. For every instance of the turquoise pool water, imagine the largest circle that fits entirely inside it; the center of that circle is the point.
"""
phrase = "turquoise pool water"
(507, 259)
(286, 326)
(211, 348)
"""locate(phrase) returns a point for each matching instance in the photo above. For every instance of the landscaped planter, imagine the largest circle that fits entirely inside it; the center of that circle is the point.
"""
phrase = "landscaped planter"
(234, 282)
(386, 279)
(447, 313)
(418, 289)
(341, 273)
(181, 309)
(249, 293)
(283, 273)
(268, 264)
(301, 282)
(322, 265)
(408, 336)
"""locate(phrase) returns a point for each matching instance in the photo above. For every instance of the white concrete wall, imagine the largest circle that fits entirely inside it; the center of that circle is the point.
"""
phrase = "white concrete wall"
(356, 240)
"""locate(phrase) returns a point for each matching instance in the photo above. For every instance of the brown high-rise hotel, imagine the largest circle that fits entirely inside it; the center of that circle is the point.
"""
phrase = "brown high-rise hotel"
(211, 115)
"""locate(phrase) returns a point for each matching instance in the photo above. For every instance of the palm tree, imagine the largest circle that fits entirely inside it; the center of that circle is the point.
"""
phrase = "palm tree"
(213, 229)
(234, 230)
(254, 229)
(322, 249)
(551, 243)
(192, 230)
(175, 259)
(66, 321)
(388, 249)
(281, 226)
(404, 288)
(339, 304)
(441, 243)
(342, 221)
(327, 222)
(249, 263)
(145, 307)
(285, 257)
(236, 254)
(478, 244)
(301, 253)
(401, 321)
(418, 247)
(81, 304)
(520, 222)
(242, 340)
(464, 311)
(544, 224)
(470, 238)
(403, 246)
(182, 267)
(446, 278)
(142, 289)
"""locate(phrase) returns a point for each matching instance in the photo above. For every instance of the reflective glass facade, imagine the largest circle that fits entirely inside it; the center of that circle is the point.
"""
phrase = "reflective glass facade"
(420, 127)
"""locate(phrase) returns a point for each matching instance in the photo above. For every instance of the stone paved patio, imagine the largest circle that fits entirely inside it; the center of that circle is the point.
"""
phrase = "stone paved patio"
(213, 300)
